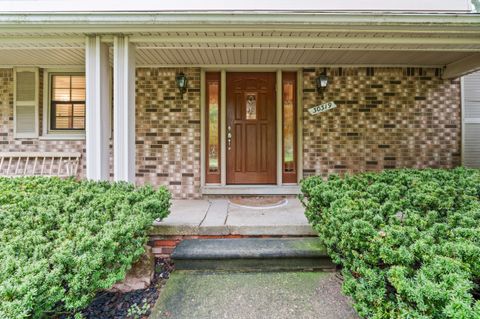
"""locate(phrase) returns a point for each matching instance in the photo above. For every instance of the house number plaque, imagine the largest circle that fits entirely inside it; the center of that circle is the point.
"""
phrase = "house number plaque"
(322, 108)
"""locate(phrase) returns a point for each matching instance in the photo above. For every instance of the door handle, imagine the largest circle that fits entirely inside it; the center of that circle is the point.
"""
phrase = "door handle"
(229, 137)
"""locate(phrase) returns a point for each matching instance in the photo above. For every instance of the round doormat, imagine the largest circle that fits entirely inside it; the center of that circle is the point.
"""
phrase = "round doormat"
(258, 202)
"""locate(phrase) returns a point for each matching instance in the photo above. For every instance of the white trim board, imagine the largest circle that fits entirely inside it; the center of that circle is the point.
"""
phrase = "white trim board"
(279, 130)
(250, 190)
(279, 124)
(245, 5)
(123, 22)
(462, 102)
(242, 68)
(284, 67)
(202, 128)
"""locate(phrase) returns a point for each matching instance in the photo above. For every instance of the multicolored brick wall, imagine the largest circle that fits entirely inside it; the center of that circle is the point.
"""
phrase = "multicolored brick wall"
(385, 118)
(168, 131)
(7, 141)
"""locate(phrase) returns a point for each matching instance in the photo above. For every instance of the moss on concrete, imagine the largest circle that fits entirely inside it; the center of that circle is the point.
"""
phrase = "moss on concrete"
(313, 244)
(250, 295)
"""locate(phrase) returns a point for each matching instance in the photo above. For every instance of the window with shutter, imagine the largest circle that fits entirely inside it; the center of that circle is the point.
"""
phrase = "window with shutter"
(471, 120)
(26, 103)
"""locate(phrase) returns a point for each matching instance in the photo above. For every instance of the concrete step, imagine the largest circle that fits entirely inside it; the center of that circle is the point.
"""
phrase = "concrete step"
(219, 217)
(271, 254)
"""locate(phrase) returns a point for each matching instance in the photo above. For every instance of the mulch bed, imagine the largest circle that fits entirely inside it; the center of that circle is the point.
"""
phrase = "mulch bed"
(115, 305)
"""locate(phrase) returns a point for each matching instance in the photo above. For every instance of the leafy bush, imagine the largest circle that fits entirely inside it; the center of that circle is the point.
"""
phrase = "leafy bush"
(62, 240)
(408, 241)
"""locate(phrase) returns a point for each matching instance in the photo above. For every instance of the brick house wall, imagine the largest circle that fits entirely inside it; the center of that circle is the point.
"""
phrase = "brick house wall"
(385, 118)
(168, 131)
(7, 141)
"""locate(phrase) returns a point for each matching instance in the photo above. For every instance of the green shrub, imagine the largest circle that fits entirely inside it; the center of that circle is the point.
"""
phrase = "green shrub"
(61, 241)
(408, 241)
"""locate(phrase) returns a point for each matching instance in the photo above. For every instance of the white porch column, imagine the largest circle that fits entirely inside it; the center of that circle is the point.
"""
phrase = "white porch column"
(97, 126)
(124, 109)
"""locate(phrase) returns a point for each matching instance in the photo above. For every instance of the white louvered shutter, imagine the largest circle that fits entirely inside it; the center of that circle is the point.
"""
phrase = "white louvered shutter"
(471, 120)
(26, 102)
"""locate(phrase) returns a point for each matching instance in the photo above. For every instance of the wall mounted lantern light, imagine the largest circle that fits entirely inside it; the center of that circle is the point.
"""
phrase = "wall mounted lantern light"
(181, 80)
(321, 81)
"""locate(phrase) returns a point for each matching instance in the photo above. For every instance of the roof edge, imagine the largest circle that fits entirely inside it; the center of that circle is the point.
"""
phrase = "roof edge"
(222, 17)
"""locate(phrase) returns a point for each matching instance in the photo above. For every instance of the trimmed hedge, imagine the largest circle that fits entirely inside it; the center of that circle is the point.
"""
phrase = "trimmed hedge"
(61, 241)
(408, 241)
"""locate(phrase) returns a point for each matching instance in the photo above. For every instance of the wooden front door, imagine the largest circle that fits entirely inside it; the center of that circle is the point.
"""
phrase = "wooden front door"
(251, 129)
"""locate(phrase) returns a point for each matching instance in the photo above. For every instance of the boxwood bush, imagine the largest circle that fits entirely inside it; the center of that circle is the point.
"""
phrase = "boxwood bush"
(408, 241)
(63, 240)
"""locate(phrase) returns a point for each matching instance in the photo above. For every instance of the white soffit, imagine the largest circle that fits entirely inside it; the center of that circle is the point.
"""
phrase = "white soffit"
(255, 48)
(454, 40)
(244, 5)
(42, 57)
(216, 57)
(303, 57)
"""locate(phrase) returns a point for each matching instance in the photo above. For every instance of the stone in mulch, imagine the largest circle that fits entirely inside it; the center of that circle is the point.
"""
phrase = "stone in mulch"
(140, 276)
(115, 305)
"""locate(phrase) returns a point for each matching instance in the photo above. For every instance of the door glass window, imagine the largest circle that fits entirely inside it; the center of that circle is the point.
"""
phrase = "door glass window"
(251, 106)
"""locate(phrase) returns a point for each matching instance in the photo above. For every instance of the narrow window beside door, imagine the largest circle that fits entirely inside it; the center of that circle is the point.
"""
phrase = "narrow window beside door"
(212, 109)
(289, 171)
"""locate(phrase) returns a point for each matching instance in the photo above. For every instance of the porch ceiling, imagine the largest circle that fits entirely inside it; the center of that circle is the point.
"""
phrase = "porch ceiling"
(301, 57)
(427, 48)
(211, 57)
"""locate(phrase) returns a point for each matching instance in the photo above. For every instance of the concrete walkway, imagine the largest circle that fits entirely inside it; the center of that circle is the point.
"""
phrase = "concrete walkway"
(275, 295)
(220, 217)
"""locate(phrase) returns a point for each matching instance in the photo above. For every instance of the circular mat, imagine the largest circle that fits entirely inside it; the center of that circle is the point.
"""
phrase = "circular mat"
(258, 202)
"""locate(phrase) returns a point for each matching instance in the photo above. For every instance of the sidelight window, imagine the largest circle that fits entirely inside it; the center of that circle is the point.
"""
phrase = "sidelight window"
(212, 108)
(289, 127)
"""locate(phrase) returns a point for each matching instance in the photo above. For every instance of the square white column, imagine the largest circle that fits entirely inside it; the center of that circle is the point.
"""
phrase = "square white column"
(98, 108)
(124, 109)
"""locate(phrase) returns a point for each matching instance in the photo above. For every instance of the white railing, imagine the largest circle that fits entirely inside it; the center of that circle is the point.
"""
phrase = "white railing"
(39, 164)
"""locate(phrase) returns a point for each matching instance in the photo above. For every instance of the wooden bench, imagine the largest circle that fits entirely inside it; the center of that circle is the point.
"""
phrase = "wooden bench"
(39, 164)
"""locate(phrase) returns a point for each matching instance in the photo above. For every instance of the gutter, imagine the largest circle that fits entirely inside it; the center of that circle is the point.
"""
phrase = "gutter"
(131, 22)
(238, 17)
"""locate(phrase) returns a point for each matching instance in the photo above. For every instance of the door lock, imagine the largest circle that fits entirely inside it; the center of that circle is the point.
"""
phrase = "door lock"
(229, 137)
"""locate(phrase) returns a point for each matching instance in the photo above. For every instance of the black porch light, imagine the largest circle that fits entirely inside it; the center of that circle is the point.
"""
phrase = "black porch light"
(321, 81)
(181, 80)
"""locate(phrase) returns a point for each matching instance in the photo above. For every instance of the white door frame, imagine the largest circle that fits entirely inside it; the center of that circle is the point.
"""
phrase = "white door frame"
(280, 188)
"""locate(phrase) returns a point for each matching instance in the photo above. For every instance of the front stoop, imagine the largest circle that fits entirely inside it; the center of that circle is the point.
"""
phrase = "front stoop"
(252, 254)
(217, 218)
